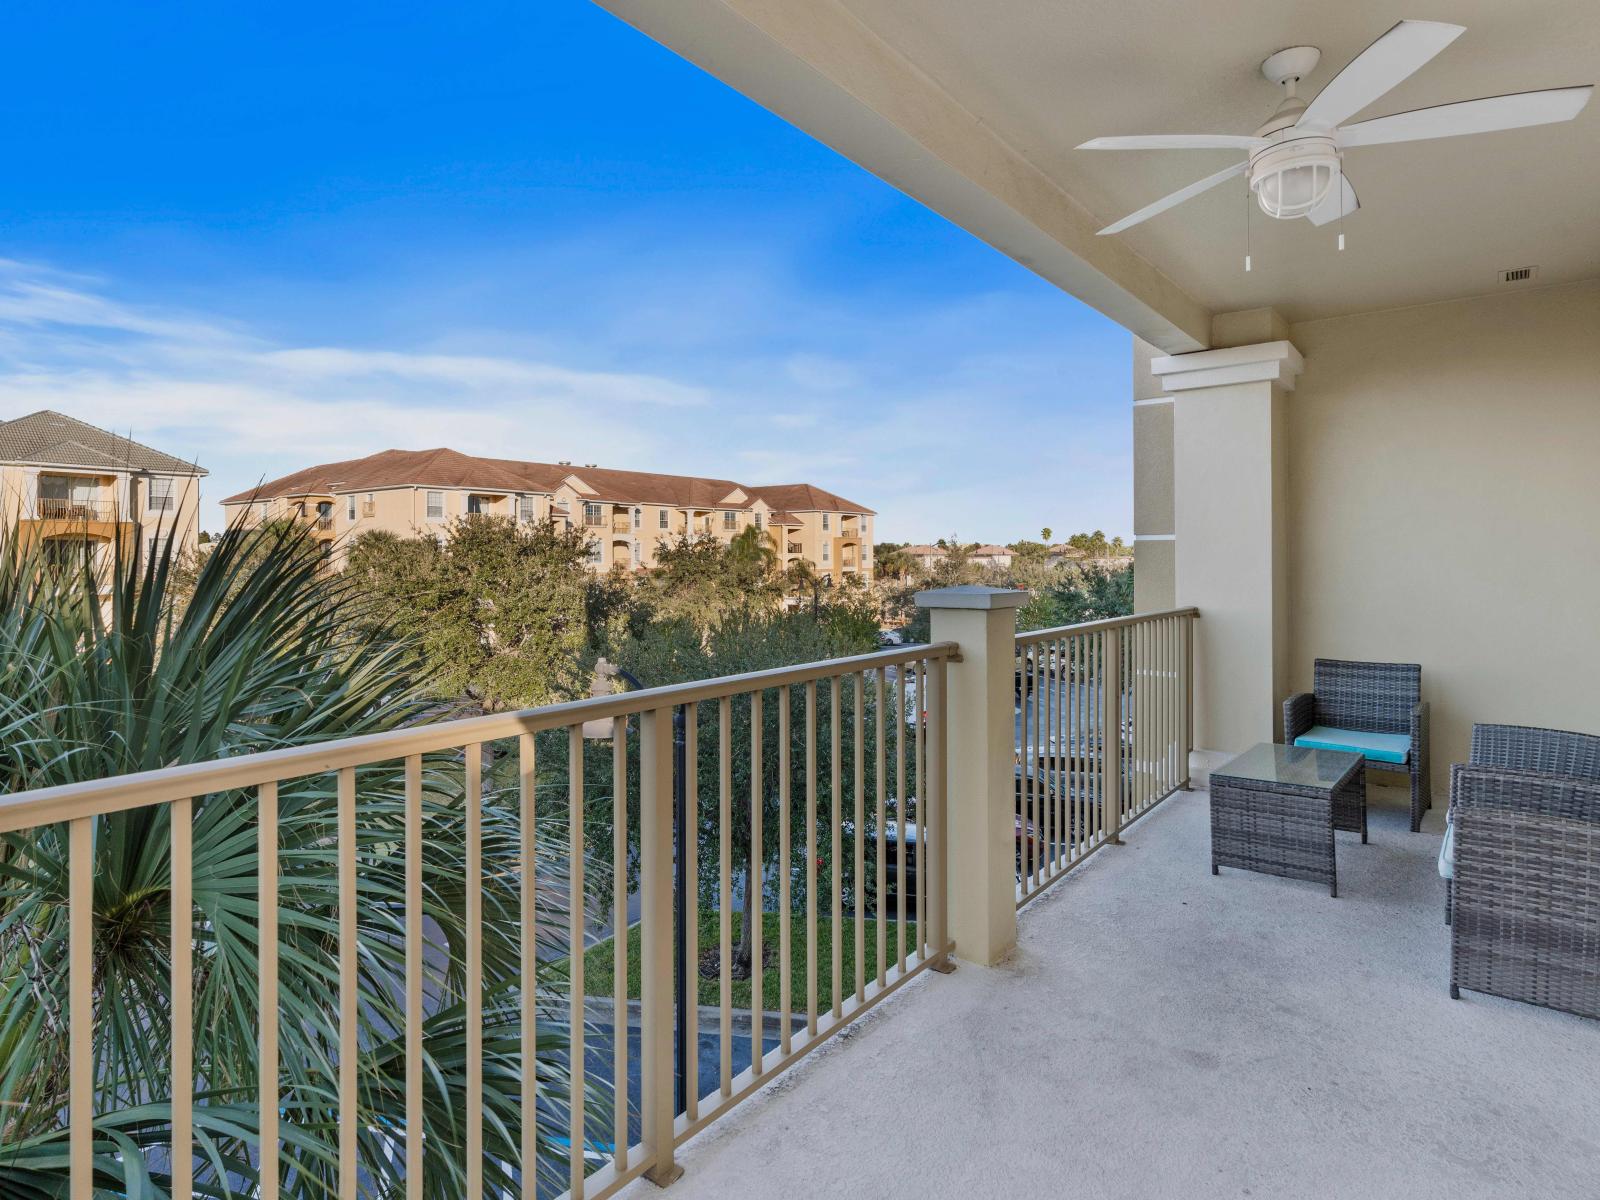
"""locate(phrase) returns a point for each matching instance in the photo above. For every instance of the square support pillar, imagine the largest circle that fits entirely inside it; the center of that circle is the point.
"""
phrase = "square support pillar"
(1229, 473)
(980, 747)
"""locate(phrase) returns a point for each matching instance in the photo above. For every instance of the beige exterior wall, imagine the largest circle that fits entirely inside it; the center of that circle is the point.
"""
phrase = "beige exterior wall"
(1429, 492)
(119, 504)
(404, 511)
(1444, 505)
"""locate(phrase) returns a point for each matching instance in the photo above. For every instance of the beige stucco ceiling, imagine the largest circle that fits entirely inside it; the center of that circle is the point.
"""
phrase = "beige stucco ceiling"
(1438, 219)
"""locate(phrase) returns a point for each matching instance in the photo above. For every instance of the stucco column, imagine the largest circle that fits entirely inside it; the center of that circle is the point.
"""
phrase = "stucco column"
(1229, 491)
(980, 713)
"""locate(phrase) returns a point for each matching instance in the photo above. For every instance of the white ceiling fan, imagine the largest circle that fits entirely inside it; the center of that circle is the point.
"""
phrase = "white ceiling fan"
(1296, 160)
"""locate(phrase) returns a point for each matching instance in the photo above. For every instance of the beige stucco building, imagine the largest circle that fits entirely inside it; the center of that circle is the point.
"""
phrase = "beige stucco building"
(64, 482)
(626, 514)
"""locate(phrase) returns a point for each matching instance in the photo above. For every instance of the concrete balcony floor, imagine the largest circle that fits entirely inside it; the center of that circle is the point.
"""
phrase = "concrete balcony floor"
(1163, 1033)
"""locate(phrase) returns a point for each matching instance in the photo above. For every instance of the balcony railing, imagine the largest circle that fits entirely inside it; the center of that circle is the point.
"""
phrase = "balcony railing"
(47, 508)
(794, 548)
(1104, 733)
(858, 746)
(825, 784)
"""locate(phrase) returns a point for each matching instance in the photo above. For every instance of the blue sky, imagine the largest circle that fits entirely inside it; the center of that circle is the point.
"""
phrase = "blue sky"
(271, 235)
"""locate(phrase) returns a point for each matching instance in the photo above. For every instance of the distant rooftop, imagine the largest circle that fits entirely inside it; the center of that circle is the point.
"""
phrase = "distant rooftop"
(446, 468)
(51, 439)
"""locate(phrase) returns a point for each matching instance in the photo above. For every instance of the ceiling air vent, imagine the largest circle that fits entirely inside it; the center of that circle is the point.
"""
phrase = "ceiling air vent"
(1518, 274)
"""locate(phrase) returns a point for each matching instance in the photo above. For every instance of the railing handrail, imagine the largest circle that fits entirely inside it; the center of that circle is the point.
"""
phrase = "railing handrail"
(1040, 635)
(55, 508)
(119, 793)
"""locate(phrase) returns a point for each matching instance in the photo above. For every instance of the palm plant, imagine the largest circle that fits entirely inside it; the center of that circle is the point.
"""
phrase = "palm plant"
(140, 665)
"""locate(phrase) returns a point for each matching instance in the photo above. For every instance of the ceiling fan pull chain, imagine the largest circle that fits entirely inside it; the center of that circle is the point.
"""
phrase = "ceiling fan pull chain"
(1249, 203)
(1339, 193)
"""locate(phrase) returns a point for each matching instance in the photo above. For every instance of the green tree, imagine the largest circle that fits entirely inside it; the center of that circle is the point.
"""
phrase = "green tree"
(501, 609)
(1084, 592)
(892, 560)
(257, 656)
(698, 576)
(678, 651)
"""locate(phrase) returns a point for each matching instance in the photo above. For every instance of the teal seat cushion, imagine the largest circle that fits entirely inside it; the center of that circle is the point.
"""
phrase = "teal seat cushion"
(1378, 747)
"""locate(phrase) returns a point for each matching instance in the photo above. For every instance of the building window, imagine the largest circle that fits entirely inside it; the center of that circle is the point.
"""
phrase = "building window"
(758, 526)
(596, 554)
(350, 515)
(161, 495)
(826, 554)
(525, 508)
(661, 521)
(638, 557)
(824, 521)
(158, 548)
(474, 504)
(261, 511)
(730, 520)
(435, 506)
(591, 513)
(638, 521)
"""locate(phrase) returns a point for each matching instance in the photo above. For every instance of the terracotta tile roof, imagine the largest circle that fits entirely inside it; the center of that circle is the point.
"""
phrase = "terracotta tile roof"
(805, 497)
(450, 468)
(390, 468)
(56, 440)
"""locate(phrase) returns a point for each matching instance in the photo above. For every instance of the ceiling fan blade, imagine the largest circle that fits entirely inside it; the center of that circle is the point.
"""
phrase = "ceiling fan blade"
(1177, 198)
(1176, 141)
(1330, 209)
(1470, 116)
(1380, 67)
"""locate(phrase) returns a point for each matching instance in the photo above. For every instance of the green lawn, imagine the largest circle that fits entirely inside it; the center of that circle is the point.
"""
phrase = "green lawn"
(598, 976)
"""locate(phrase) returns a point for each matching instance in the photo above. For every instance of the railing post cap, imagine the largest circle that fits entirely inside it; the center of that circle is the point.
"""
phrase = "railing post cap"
(972, 596)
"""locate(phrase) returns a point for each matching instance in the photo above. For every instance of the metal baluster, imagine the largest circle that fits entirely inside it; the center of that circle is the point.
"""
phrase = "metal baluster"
(474, 982)
(267, 1098)
(528, 821)
(182, 905)
(756, 881)
(415, 852)
(619, 941)
(835, 851)
(577, 1063)
(725, 886)
(349, 1011)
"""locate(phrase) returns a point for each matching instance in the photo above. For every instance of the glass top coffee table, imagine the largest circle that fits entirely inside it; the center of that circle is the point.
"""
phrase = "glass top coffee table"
(1274, 809)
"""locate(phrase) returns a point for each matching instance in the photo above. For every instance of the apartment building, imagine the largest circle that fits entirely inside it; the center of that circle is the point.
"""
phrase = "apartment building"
(626, 514)
(64, 482)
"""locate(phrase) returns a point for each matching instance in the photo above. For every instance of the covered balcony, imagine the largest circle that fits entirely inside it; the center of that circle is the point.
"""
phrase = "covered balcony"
(1375, 453)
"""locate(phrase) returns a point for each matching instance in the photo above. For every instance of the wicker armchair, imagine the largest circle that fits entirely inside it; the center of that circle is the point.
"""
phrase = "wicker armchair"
(1383, 698)
(1527, 880)
(1521, 749)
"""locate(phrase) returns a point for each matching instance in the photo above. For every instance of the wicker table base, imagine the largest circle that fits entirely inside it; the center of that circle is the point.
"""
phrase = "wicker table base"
(1274, 810)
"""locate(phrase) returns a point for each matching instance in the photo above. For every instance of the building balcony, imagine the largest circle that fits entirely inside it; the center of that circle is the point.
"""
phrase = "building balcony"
(1256, 1033)
(1106, 976)
(46, 508)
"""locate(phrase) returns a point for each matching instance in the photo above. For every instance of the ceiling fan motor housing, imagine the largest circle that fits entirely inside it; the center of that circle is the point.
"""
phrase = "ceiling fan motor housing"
(1290, 178)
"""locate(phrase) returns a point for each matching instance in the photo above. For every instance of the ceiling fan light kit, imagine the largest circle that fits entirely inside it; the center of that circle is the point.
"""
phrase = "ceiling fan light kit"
(1295, 163)
(1291, 179)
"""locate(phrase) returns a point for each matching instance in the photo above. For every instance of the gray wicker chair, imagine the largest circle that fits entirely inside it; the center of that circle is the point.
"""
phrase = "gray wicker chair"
(1526, 892)
(1520, 749)
(1372, 698)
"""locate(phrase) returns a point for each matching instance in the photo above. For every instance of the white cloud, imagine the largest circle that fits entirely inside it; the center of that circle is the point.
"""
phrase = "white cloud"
(966, 415)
